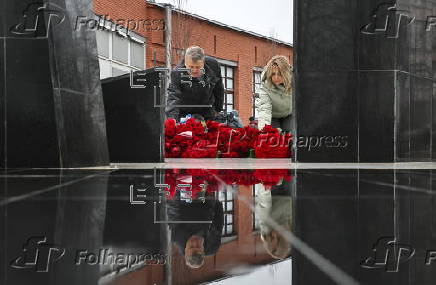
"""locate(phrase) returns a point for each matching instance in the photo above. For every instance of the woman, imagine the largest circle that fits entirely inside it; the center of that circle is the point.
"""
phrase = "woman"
(275, 204)
(274, 103)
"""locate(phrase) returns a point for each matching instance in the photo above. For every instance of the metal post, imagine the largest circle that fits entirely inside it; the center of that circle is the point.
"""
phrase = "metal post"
(168, 37)
(165, 85)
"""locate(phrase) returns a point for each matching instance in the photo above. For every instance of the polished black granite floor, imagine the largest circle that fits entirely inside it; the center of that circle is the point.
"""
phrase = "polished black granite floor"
(255, 226)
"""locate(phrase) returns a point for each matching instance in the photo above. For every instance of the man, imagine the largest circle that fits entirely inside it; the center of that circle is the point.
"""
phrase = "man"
(197, 89)
(196, 240)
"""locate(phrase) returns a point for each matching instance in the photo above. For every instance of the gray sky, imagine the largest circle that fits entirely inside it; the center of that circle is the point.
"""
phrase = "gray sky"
(258, 16)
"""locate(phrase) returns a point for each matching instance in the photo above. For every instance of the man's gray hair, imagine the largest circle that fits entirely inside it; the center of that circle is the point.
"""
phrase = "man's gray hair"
(195, 53)
(195, 260)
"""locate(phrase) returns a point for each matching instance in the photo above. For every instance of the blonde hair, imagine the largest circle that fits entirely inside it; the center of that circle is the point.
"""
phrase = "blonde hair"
(281, 250)
(281, 62)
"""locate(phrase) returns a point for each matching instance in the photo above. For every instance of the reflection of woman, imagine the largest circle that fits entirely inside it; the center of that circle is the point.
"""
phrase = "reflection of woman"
(274, 103)
(196, 240)
(277, 205)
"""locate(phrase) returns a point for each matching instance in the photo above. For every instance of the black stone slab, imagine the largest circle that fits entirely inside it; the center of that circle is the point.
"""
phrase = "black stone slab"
(374, 38)
(326, 35)
(55, 113)
(84, 136)
(423, 236)
(421, 97)
(376, 116)
(2, 19)
(134, 124)
(403, 114)
(31, 123)
(421, 42)
(343, 213)
(375, 49)
(21, 18)
(65, 207)
(327, 107)
(79, 224)
(141, 231)
(73, 51)
(377, 219)
(326, 203)
(433, 145)
(2, 105)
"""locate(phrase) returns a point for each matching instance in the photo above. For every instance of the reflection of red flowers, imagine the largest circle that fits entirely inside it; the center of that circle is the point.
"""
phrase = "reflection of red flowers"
(270, 177)
(213, 178)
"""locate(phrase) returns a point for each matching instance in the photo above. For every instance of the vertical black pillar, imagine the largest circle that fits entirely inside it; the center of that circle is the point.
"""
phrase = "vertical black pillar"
(52, 108)
(326, 219)
(364, 80)
(79, 227)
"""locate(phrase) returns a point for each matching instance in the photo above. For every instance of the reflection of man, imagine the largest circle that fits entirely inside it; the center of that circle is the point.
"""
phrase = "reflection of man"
(203, 87)
(196, 240)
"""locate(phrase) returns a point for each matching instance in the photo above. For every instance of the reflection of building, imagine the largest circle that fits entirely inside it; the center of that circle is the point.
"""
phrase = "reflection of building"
(242, 54)
(243, 248)
(240, 247)
(228, 201)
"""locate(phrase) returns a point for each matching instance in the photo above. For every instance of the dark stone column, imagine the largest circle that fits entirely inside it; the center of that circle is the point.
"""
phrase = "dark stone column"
(79, 226)
(326, 219)
(51, 97)
(67, 208)
(342, 214)
(361, 79)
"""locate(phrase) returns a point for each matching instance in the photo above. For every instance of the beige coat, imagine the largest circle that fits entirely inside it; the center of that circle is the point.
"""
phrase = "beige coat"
(272, 103)
(278, 208)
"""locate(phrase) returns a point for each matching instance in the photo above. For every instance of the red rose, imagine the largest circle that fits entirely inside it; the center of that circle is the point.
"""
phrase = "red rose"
(170, 127)
(175, 151)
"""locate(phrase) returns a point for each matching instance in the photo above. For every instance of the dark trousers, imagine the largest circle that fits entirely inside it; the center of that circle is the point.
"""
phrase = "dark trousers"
(287, 125)
(284, 123)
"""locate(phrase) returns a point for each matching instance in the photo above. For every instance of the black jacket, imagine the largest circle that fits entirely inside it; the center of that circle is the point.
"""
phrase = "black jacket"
(181, 93)
(211, 210)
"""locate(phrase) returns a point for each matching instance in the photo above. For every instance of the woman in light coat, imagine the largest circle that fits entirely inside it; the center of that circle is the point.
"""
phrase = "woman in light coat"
(274, 103)
(277, 205)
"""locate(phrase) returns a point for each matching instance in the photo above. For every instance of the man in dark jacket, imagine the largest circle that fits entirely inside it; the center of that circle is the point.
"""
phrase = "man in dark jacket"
(196, 240)
(199, 91)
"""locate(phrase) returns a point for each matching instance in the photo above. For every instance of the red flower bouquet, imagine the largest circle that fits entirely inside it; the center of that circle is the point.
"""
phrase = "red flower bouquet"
(192, 139)
(271, 144)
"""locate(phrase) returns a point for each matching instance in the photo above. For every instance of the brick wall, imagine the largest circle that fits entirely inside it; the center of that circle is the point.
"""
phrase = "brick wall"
(217, 41)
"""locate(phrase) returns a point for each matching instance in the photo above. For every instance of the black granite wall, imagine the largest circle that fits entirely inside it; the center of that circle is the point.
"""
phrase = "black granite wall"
(133, 116)
(359, 78)
(342, 213)
(51, 104)
(67, 207)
